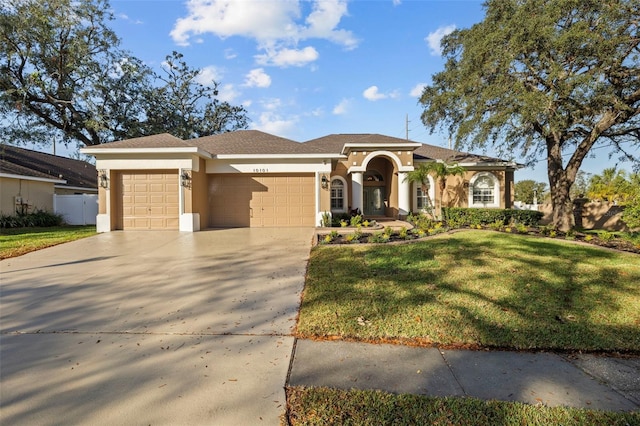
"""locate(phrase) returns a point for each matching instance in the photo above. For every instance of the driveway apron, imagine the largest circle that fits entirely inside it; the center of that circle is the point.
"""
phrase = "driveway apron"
(151, 328)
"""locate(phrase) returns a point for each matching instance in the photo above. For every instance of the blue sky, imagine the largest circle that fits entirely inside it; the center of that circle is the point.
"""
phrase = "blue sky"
(305, 69)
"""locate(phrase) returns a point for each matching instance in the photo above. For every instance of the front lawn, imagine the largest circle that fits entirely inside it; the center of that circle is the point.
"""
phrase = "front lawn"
(18, 241)
(475, 289)
(322, 406)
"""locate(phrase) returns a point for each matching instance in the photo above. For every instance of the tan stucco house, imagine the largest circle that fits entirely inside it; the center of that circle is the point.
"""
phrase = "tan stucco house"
(30, 179)
(249, 178)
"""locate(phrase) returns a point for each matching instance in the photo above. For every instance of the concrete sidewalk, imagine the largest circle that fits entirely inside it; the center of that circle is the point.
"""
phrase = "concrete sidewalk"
(585, 381)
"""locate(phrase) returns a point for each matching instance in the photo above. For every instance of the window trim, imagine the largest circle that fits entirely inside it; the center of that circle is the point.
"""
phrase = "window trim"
(432, 194)
(496, 190)
(345, 197)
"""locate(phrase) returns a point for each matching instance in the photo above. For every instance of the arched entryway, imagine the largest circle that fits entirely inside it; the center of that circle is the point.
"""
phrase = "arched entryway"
(378, 184)
(374, 194)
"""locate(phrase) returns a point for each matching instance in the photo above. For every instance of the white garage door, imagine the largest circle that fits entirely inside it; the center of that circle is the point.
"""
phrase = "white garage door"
(150, 200)
(262, 200)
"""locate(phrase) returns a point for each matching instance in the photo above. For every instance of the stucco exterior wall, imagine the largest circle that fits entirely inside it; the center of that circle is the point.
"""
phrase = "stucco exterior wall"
(35, 195)
(200, 194)
(457, 191)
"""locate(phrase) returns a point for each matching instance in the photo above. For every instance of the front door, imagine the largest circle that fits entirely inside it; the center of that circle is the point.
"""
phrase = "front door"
(373, 198)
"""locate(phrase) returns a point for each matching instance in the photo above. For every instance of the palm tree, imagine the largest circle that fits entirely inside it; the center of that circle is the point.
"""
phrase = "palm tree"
(421, 176)
(441, 171)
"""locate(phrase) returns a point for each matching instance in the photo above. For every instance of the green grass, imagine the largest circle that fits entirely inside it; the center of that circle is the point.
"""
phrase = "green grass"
(476, 288)
(322, 406)
(18, 241)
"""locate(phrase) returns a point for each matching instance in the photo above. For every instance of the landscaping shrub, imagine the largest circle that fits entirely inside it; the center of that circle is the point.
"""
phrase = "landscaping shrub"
(461, 216)
(31, 220)
(337, 219)
(631, 214)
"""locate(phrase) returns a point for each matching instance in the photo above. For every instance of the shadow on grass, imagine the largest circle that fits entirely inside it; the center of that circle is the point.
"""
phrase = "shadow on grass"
(477, 288)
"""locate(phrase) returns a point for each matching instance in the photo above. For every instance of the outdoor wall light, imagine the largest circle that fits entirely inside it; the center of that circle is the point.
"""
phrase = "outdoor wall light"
(185, 179)
(103, 179)
(324, 182)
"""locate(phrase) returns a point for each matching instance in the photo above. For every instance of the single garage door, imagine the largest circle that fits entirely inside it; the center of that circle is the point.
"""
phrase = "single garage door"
(150, 200)
(237, 200)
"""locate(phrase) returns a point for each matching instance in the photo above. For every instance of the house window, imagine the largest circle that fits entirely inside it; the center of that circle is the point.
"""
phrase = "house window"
(338, 195)
(484, 191)
(423, 201)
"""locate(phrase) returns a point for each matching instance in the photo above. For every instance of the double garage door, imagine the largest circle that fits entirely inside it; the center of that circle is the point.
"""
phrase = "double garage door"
(150, 200)
(261, 200)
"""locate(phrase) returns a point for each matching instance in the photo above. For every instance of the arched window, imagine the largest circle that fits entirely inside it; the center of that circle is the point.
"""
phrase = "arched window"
(484, 190)
(338, 195)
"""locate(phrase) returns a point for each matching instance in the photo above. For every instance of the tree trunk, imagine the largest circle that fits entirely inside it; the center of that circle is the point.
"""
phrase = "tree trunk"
(560, 181)
(562, 206)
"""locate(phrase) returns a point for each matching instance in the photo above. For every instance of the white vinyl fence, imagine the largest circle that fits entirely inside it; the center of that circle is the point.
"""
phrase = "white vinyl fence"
(80, 209)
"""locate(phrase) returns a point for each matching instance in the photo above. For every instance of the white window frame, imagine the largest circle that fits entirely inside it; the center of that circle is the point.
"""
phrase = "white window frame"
(344, 195)
(496, 190)
(432, 194)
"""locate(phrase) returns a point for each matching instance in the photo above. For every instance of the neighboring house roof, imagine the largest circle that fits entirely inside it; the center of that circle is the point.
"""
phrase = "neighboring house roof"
(40, 165)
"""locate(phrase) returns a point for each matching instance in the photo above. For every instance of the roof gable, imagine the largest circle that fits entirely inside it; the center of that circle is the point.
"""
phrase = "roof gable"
(246, 142)
(25, 162)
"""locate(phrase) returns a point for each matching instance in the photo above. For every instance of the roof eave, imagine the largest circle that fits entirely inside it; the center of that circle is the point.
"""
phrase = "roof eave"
(33, 178)
(171, 150)
(277, 156)
(347, 146)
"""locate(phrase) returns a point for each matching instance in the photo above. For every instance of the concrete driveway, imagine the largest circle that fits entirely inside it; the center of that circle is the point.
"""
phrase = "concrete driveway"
(151, 328)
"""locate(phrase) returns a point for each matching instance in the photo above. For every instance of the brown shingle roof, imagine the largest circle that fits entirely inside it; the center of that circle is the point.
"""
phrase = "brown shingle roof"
(255, 142)
(25, 162)
(335, 142)
(431, 152)
(248, 142)
(163, 140)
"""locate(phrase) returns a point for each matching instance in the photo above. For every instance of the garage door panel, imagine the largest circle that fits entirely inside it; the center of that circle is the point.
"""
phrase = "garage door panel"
(150, 200)
(261, 201)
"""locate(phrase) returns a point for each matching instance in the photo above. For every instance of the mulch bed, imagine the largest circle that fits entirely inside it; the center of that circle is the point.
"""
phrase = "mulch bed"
(610, 242)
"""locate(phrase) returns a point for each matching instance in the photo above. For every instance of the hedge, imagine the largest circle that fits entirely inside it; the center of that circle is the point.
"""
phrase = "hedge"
(30, 220)
(461, 216)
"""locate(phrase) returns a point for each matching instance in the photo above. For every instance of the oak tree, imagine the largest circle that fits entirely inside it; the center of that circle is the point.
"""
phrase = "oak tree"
(63, 75)
(552, 78)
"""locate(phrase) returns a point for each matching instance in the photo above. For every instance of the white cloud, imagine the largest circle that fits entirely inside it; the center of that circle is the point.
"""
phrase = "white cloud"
(126, 17)
(228, 93)
(434, 38)
(288, 57)
(277, 28)
(271, 104)
(208, 75)
(273, 123)
(374, 94)
(323, 21)
(318, 112)
(396, 2)
(230, 54)
(257, 78)
(417, 90)
(342, 107)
